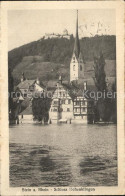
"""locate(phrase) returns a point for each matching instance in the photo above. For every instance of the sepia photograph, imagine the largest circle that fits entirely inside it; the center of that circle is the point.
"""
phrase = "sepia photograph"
(62, 81)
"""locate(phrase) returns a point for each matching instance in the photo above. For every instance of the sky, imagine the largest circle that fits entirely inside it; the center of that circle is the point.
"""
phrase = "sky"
(25, 26)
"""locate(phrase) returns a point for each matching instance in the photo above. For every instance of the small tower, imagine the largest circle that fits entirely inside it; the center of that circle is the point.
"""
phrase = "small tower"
(85, 85)
(23, 77)
(76, 64)
(38, 81)
(60, 79)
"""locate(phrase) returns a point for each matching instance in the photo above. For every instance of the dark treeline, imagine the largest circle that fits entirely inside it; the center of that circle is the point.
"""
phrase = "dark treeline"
(60, 50)
(40, 108)
(105, 107)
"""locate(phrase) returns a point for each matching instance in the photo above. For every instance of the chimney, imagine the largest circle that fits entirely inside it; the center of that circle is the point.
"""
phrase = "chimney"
(38, 81)
(85, 85)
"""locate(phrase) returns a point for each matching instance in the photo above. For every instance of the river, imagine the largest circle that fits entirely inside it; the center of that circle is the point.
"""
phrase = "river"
(63, 155)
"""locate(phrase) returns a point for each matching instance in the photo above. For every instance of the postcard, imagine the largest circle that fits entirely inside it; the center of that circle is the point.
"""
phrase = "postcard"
(62, 98)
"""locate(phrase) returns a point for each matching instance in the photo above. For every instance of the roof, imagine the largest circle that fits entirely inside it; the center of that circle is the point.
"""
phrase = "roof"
(26, 84)
(78, 90)
(41, 85)
(51, 84)
(27, 111)
(77, 44)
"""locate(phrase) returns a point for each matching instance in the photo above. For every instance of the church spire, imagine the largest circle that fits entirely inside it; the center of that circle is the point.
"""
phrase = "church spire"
(77, 44)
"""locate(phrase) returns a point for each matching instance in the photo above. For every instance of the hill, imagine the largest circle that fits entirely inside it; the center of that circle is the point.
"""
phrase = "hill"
(46, 58)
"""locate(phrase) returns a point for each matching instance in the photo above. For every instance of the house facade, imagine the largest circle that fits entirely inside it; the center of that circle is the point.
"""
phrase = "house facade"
(62, 104)
(28, 87)
(70, 105)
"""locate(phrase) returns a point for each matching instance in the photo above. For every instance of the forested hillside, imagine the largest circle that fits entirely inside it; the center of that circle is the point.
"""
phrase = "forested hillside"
(47, 58)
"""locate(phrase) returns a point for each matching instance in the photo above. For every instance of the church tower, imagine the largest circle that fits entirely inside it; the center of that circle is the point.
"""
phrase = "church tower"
(76, 64)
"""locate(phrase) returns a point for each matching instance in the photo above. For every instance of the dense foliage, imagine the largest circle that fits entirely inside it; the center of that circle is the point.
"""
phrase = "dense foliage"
(105, 108)
(60, 50)
(40, 108)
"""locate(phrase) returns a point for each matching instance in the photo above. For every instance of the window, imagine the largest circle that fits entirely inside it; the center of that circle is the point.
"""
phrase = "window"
(55, 102)
(73, 67)
(78, 110)
(25, 95)
(83, 109)
(78, 103)
(83, 102)
(63, 101)
(75, 109)
(74, 102)
(69, 101)
(80, 67)
(68, 109)
(63, 94)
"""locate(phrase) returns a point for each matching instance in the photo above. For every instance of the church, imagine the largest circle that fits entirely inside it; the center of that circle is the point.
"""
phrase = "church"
(68, 103)
(77, 64)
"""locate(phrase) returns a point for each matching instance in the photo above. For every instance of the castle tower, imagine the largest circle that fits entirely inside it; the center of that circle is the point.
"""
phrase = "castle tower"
(76, 64)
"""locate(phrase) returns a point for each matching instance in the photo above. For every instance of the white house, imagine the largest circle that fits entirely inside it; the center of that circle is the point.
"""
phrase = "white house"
(70, 105)
(28, 87)
(62, 104)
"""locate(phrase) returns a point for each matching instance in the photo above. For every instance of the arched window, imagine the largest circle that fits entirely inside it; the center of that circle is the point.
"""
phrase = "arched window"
(80, 67)
(73, 67)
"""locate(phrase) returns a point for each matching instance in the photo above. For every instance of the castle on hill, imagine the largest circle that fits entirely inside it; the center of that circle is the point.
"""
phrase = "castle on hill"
(54, 35)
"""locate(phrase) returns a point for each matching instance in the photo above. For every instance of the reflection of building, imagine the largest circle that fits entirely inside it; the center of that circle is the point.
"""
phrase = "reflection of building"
(29, 86)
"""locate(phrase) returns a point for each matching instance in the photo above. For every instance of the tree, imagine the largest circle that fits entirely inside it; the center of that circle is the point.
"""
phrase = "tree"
(40, 108)
(114, 103)
(99, 79)
(104, 103)
(10, 89)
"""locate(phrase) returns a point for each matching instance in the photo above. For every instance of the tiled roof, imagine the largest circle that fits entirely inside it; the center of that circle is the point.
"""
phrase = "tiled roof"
(26, 84)
(77, 90)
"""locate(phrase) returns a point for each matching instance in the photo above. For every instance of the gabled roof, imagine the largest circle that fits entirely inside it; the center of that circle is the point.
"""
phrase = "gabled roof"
(26, 84)
(41, 85)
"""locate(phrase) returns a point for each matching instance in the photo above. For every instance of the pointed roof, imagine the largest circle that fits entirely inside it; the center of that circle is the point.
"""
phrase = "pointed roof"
(77, 44)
